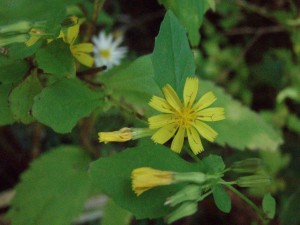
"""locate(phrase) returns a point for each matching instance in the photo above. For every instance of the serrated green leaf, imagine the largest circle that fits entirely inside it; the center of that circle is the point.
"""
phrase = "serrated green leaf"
(12, 71)
(112, 176)
(172, 57)
(269, 206)
(5, 113)
(114, 214)
(134, 83)
(222, 198)
(242, 128)
(190, 13)
(21, 98)
(56, 58)
(63, 103)
(53, 190)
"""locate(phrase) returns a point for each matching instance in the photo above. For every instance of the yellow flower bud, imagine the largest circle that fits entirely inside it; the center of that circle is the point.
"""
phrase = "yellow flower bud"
(145, 178)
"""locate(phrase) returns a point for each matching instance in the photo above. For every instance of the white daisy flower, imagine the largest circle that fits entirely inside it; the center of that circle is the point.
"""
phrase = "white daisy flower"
(107, 51)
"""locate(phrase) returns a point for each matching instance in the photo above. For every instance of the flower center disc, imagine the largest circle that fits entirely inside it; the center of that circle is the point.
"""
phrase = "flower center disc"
(186, 117)
(104, 53)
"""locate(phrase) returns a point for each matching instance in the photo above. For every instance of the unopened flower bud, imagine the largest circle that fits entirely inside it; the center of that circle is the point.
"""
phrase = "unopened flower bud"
(188, 193)
(185, 209)
(18, 27)
(251, 165)
(145, 178)
(253, 181)
(193, 177)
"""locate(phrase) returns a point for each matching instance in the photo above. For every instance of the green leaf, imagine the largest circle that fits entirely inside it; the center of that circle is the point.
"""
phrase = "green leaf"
(222, 198)
(63, 103)
(113, 214)
(269, 206)
(48, 12)
(53, 190)
(190, 13)
(242, 128)
(293, 123)
(112, 176)
(20, 50)
(5, 113)
(172, 57)
(21, 98)
(12, 71)
(290, 209)
(56, 58)
(134, 83)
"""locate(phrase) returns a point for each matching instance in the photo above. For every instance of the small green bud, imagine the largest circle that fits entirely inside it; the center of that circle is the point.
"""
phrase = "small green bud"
(188, 193)
(185, 209)
(13, 39)
(251, 165)
(253, 181)
(19, 27)
(193, 177)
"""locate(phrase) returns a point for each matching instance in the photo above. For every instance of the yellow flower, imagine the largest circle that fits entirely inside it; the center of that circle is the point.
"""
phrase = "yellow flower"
(145, 178)
(181, 119)
(79, 51)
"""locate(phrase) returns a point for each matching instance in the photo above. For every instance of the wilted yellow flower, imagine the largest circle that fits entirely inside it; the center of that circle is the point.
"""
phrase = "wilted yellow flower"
(145, 178)
(79, 51)
(122, 135)
(181, 119)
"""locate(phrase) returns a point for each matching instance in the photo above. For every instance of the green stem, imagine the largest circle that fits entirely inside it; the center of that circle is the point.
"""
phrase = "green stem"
(192, 154)
(248, 201)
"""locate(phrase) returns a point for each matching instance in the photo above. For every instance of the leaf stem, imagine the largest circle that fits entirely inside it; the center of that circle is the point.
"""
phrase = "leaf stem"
(248, 201)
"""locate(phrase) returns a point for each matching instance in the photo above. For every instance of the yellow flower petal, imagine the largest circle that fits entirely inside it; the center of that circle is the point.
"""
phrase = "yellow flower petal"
(211, 114)
(122, 135)
(172, 97)
(160, 104)
(190, 91)
(165, 133)
(178, 140)
(160, 120)
(194, 140)
(84, 58)
(71, 34)
(83, 47)
(205, 131)
(205, 101)
(32, 40)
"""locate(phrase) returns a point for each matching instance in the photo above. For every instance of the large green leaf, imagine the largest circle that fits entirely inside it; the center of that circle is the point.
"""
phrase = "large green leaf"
(12, 71)
(112, 176)
(190, 13)
(114, 214)
(53, 190)
(56, 58)
(5, 113)
(242, 128)
(63, 103)
(134, 83)
(21, 98)
(50, 13)
(172, 57)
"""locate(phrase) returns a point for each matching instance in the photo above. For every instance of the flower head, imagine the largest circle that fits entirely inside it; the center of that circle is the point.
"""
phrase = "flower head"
(145, 178)
(187, 118)
(79, 51)
(107, 51)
